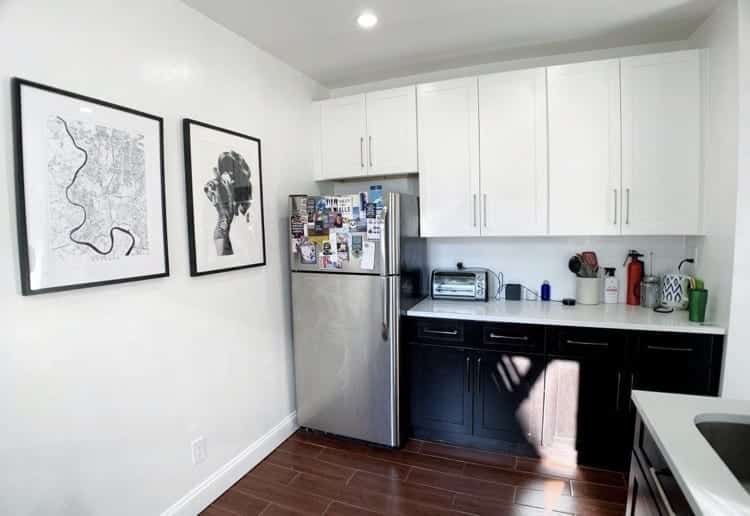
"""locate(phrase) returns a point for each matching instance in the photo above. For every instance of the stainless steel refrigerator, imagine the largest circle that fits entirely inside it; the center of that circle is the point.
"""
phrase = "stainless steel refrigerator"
(346, 318)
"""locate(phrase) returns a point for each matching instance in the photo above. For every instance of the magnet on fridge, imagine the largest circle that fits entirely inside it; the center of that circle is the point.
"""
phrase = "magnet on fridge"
(368, 256)
(307, 252)
(356, 248)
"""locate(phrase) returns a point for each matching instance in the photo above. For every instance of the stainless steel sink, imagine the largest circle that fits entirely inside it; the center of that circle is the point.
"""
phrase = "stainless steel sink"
(730, 438)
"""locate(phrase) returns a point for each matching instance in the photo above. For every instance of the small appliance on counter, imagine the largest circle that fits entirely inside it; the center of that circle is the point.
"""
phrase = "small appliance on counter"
(674, 289)
(466, 284)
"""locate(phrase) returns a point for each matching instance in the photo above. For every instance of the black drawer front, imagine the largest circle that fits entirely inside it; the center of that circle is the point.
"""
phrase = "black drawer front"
(585, 343)
(513, 337)
(667, 492)
(440, 330)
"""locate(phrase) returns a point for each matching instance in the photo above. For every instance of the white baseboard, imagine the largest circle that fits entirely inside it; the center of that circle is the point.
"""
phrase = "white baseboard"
(210, 489)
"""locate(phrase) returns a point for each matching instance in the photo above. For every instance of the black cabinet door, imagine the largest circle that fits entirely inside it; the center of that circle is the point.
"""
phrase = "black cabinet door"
(440, 388)
(509, 397)
(585, 414)
(674, 362)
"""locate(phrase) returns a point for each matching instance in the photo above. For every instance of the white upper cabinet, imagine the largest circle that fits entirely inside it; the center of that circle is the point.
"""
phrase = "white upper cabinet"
(343, 131)
(392, 131)
(661, 143)
(372, 134)
(449, 158)
(584, 148)
(513, 153)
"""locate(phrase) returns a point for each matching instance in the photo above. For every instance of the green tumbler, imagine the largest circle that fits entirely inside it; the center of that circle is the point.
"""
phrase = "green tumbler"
(697, 309)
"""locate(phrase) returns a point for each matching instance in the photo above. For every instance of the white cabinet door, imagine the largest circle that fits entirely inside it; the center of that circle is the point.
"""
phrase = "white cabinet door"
(392, 131)
(584, 148)
(343, 128)
(448, 158)
(513, 152)
(661, 144)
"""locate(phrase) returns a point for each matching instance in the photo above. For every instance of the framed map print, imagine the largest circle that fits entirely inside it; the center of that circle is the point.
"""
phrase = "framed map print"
(224, 199)
(89, 191)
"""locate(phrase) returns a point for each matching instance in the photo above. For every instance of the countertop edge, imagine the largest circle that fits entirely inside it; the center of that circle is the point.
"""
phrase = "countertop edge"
(701, 330)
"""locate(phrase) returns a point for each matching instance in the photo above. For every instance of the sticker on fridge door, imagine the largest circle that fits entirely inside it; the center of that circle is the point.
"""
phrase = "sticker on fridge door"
(342, 246)
(327, 262)
(307, 253)
(298, 218)
(356, 247)
(368, 256)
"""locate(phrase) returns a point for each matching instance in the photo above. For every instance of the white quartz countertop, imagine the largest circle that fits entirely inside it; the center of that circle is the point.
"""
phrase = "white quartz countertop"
(619, 316)
(707, 483)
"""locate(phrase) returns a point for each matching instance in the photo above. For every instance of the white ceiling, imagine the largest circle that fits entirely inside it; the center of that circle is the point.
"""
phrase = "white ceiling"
(321, 37)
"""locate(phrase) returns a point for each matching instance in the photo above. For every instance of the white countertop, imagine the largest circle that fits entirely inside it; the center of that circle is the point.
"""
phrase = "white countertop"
(619, 317)
(707, 483)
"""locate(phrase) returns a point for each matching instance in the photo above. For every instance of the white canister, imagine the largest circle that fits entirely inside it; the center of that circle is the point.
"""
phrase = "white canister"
(674, 291)
(588, 291)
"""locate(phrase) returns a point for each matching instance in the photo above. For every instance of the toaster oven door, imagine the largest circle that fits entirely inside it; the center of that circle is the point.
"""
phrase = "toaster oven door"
(458, 285)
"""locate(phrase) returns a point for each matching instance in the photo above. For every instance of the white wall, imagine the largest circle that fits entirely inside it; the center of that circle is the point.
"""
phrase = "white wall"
(102, 390)
(736, 380)
(718, 34)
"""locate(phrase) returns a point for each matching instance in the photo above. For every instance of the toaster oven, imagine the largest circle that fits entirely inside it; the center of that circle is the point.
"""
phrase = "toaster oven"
(468, 284)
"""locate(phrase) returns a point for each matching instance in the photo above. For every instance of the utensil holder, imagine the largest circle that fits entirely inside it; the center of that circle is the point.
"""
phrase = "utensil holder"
(588, 291)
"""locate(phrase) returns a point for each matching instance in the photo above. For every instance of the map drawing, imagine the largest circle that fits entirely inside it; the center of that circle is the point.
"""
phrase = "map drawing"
(97, 191)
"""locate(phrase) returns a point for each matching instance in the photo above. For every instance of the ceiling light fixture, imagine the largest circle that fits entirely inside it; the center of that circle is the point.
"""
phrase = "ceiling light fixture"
(367, 20)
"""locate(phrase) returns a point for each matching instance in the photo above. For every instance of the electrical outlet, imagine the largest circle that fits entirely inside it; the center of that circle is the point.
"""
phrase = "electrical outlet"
(200, 450)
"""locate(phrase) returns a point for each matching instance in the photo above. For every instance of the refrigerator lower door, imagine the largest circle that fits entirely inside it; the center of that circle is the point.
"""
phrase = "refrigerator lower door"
(346, 354)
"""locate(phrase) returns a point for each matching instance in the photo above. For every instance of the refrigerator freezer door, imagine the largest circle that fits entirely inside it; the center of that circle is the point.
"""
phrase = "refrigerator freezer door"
(346, 354)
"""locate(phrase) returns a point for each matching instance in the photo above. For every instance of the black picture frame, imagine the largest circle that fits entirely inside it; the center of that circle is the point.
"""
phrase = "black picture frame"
(20, 185)
(187, 123)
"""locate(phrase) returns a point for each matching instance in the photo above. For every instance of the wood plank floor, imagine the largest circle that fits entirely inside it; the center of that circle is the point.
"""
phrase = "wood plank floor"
(316, 474)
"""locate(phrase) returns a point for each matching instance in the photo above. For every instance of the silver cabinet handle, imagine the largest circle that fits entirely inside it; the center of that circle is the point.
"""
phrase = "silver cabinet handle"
(362, 151)
(475, 210)
(484, 207)
(584, 343)
(467, 374)
(523, 338)
(668, 348)
(617, 397)
(615, 217)
(479, 375)
(627, 210)
(660, 491)
(442, 332)
(369, 150)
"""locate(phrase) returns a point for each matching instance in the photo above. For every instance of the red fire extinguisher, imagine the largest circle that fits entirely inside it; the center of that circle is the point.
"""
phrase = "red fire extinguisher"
(635, 274)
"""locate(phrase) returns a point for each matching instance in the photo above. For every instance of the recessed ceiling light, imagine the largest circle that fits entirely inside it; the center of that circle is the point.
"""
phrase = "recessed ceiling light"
(367, 20)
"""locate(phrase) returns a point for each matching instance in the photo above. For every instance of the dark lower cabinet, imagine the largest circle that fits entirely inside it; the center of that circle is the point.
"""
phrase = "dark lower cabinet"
(584, 409)
(566, 390)
(440, 388)
(673, 362)
(652, 488)
(641, 501)
(509, 397)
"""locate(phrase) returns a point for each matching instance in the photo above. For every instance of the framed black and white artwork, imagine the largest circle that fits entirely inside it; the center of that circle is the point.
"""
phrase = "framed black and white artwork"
(89, 191)
(224, 199)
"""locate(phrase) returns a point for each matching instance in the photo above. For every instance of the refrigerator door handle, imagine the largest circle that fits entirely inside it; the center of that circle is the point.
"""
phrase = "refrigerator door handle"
(386, 308)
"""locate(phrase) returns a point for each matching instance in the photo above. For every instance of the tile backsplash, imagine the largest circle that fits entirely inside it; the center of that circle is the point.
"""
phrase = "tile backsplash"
(530, 261)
